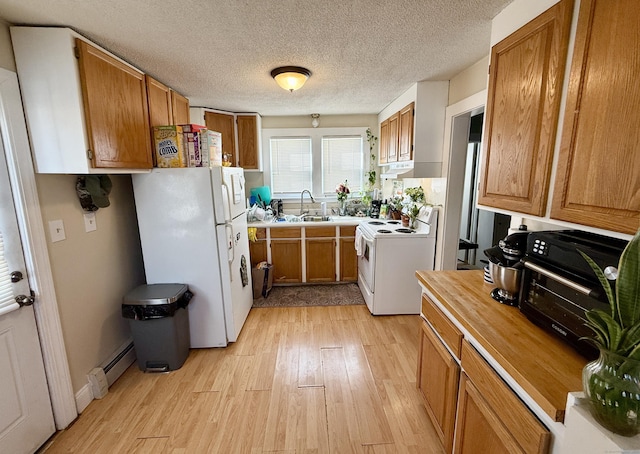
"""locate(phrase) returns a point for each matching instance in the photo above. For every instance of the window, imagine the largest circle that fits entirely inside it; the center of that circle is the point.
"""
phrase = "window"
(317, 159)
(291, 170)
(342, 160)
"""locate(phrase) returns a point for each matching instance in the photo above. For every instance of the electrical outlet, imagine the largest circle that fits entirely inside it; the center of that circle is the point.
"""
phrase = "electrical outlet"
(90, 222)
(56, 230)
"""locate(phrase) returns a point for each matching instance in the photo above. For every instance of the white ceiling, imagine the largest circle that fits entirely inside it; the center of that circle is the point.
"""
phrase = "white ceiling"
(219, 53)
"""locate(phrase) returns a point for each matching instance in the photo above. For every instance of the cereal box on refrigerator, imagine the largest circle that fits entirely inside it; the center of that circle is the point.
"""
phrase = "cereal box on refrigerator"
(169, 146)
(211, 147)
(192, 144)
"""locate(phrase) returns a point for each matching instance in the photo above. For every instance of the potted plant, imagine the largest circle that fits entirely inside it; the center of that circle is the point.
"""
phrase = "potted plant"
(612, 382)
(395, 207)
(412, 204)
(371, 174)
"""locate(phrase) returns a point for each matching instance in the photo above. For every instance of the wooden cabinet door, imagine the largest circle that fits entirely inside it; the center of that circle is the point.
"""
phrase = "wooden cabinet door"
(225, 125)
(321, 259)
(504, 405)
(286, 256)
(179, 109)
(525, 82)
(116, 110)
(598, 174)
(248, 142)
(437, 380)
(159, 100)
(348, 260)
(394, 126)
(478, 428)
(384, 142)
(405, 139)
(258, 252)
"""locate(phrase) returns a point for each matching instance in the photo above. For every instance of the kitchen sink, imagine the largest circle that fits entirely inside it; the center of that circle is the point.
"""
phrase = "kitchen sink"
(316, 218)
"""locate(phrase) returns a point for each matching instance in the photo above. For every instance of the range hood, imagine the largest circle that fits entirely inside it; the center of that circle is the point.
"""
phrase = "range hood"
(397, 170)
(411, 169)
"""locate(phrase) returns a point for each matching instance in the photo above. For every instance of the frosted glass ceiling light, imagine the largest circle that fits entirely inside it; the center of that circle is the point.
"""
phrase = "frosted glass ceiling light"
(290, 77)
(315, 122)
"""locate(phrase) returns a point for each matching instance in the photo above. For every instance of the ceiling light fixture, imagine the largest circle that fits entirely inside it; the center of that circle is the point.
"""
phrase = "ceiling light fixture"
(315, 122)
(290, 77)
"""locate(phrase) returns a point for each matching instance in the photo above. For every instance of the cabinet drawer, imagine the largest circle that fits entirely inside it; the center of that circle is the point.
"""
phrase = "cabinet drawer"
(443, 326)
(286, 232)
(530, 434)
(348, 230)
(261, 234)
(320, 232)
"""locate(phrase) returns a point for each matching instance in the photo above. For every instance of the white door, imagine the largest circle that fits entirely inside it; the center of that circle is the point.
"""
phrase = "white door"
(26, 418)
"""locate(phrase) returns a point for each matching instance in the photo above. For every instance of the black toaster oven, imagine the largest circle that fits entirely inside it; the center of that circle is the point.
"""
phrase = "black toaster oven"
(558, 285)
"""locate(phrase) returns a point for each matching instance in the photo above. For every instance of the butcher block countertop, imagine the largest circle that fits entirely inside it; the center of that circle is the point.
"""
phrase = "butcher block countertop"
(542, 365)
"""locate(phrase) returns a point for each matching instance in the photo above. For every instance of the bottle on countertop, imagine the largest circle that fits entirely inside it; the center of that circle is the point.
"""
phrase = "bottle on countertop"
(384, 209)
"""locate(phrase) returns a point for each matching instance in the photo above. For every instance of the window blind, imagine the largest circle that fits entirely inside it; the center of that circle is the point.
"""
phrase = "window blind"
(290, 164)
(6, 290)
(342, 159)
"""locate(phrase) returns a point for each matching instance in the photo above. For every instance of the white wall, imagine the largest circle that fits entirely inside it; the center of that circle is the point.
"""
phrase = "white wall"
(469, 81)
(6, 51)
(92, 271)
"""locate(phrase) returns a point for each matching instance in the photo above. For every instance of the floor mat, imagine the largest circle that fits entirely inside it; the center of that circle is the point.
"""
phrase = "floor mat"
(312, 295)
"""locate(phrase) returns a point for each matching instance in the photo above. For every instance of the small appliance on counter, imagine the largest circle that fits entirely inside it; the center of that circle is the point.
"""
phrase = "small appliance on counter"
(505, 267)
(375, 209)
(559, 285)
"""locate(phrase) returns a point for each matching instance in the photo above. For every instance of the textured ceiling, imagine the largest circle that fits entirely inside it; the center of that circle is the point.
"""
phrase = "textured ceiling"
(219, 53)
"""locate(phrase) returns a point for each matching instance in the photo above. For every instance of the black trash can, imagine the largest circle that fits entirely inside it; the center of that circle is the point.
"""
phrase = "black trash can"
(159, 325)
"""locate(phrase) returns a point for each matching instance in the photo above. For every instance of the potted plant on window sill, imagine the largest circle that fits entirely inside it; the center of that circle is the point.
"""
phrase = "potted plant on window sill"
(612, 382)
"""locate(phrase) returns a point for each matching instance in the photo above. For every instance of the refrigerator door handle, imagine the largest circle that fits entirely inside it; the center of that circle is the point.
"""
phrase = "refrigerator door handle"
(227, 206)
(231, 249)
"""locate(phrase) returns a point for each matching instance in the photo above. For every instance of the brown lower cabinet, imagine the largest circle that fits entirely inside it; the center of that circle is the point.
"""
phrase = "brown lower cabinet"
(471, 407)
(348, 257)
(286, 255)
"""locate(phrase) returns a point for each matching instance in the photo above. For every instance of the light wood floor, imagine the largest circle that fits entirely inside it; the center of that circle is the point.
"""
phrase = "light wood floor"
(299, 380)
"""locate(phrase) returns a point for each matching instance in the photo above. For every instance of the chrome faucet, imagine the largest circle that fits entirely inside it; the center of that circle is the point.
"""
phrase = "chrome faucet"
(302, 197)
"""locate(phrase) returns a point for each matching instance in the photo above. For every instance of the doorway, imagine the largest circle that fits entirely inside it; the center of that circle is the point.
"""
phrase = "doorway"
(479, 229)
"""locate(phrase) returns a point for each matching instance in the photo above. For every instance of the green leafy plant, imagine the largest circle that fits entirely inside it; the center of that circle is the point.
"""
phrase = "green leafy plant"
(619, 330)
(371, 174)
(612, 382)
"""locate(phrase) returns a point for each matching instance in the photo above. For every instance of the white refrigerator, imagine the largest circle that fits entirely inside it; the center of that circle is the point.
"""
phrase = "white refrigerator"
(193, 229)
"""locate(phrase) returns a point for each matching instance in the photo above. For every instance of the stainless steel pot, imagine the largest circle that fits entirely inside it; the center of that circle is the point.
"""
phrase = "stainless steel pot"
(507, 281)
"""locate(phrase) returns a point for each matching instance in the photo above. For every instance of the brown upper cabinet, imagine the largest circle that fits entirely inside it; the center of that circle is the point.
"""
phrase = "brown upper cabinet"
(224, 124)
(396, 136)
(384, 142)
(248, 141)
(240, 135)
(394, 128)
(598, 174)
(159, 99)
(525, 80)
(405, 134)
(87, 110)
(179, 109)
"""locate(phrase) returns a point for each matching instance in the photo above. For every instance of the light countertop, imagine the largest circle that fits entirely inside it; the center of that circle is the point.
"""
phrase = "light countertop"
(335, 221)
(546, 368)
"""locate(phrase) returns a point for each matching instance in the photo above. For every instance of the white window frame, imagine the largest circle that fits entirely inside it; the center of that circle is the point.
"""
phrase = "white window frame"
(316, 135)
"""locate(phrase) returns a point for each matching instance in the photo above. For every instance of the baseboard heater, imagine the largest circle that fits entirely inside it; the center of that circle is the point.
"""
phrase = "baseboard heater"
(115, 367)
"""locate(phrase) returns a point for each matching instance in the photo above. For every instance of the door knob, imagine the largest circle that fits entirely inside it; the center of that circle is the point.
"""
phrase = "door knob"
(24, 300)
(16, 276)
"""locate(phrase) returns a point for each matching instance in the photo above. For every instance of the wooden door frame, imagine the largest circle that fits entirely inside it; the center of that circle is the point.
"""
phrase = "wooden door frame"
(34, 244)
(456, 139)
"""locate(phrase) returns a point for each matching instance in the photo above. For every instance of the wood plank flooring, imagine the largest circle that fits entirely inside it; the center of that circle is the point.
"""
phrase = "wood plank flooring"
(299, 380)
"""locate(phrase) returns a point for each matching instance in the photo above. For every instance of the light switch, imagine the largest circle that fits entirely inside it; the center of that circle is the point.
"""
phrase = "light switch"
(56, 230)
(90, 222)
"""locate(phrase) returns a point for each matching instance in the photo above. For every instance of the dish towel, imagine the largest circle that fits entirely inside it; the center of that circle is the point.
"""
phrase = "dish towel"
(358, 242)
(252, 232)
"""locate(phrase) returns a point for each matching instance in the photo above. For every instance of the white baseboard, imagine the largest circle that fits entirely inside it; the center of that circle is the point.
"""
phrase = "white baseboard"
(84, 397)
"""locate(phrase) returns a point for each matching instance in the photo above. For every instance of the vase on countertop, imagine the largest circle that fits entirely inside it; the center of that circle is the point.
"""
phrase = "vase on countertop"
(342, 207)
(612, 386)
